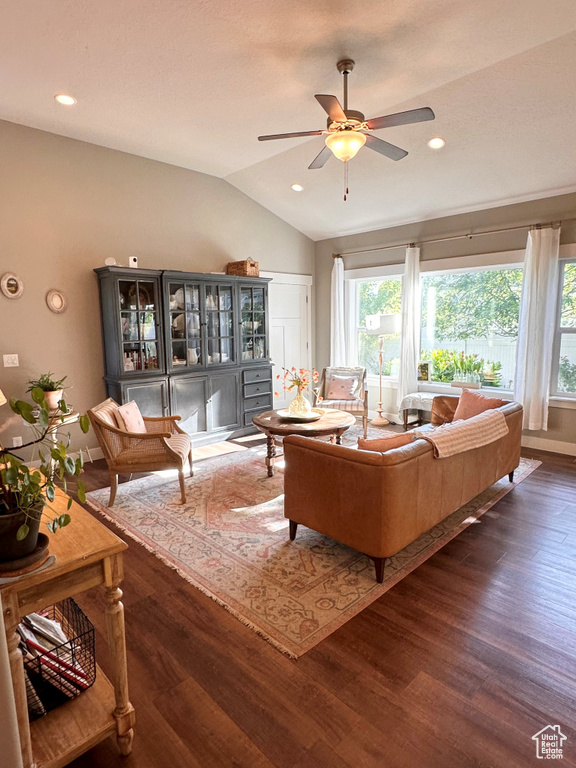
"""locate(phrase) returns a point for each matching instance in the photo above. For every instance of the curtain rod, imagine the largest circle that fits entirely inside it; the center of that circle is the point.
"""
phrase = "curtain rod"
(469, 236)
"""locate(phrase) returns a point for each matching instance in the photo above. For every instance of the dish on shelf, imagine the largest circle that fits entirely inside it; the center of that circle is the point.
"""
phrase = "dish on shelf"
(314, 415)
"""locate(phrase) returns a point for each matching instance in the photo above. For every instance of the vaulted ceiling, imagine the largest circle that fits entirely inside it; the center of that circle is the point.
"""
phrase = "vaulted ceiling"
(193, 83)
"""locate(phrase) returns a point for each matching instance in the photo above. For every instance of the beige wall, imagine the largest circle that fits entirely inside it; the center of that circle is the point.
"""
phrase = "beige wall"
(562, 424)
(65, 206)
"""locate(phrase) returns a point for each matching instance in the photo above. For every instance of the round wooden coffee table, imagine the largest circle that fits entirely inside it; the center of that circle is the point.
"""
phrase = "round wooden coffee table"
(333, 423)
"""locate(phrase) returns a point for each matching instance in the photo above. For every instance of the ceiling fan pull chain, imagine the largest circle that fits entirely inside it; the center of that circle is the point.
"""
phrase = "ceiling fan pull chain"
(345, 181)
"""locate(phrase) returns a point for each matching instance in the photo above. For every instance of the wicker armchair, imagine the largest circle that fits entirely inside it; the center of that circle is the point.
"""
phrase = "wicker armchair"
(358, 405)
(163, 446)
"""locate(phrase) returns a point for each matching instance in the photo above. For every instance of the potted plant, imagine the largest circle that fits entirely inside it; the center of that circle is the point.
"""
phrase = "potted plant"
(26, 493)
(52, 389)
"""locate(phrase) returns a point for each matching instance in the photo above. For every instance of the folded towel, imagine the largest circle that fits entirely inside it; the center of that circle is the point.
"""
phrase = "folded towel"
(465, 434)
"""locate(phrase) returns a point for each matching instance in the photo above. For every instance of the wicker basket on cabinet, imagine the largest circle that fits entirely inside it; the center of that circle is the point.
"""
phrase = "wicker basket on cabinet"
(243, 268)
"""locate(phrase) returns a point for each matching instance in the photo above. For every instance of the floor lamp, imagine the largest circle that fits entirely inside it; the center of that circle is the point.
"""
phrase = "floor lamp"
(382, 325)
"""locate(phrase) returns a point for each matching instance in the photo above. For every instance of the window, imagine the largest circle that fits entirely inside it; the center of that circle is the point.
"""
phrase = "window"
(469, 324)
(564, 368)
(378, 296)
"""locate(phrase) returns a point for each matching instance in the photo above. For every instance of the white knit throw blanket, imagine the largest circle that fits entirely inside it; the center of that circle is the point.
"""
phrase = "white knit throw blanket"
(465, 434)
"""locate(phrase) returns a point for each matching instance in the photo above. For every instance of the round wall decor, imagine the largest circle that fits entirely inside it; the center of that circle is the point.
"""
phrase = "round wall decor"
(56, 301)
(11, 285)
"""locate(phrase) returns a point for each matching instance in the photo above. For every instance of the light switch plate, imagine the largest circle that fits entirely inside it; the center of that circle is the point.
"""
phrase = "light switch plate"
(11, 361)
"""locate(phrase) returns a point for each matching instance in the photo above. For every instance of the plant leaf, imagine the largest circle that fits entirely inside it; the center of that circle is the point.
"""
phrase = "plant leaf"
(81, 492)
(37, 395)
(64, 520)
(84, 423)
(22, 532)
(50, 492)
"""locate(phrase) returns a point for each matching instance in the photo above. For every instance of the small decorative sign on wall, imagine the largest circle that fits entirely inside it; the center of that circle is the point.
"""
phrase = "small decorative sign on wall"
(11, 286)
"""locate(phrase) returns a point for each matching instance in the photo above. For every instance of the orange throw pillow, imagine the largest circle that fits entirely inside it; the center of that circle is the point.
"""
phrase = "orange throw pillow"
(473, 403)
(382, 444)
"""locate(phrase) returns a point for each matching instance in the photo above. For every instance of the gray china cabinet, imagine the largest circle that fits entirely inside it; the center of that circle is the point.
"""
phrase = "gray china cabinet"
(191, 344)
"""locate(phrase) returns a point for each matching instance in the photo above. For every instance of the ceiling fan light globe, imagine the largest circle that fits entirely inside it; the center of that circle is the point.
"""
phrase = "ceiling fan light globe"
(345, 144)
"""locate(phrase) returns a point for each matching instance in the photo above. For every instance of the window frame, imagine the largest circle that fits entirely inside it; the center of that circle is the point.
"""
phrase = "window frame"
(513, 260)
(559, 332)
(352, 279)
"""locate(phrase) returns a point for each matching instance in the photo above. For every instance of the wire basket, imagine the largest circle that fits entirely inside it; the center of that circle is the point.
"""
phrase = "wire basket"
(66, 670)
(243, 268)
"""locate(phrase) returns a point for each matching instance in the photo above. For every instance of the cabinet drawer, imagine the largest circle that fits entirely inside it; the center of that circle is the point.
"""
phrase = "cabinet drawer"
(248, 416)
(258, 403)
(260, 374)
(258, 388)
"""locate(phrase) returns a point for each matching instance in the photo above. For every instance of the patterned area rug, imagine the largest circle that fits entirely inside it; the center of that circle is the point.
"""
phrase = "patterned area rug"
(230, 540)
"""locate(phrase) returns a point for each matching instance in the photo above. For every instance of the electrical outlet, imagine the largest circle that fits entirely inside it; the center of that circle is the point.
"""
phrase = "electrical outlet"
(11, 361)
(16, 442)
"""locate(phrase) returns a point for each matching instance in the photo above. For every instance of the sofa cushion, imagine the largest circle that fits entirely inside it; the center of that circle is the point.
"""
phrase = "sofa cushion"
(342, 388)
(130, 418)
(473, 403)
(386, 442)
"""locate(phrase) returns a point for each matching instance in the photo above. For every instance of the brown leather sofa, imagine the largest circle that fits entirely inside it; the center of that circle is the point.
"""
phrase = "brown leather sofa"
(378, 503)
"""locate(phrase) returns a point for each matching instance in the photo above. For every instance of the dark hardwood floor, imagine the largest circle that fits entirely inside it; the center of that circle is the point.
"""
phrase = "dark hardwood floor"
(457, 666)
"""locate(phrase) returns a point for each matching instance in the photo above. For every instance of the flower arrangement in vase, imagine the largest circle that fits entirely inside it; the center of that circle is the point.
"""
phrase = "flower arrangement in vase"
(298, 379)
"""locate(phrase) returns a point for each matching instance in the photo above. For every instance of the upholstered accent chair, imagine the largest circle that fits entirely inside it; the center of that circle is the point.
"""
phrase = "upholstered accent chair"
(163, 446)
(344, 389)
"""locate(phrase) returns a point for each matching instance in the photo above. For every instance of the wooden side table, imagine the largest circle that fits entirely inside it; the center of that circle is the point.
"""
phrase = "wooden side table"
(87, 555)
(333, 423)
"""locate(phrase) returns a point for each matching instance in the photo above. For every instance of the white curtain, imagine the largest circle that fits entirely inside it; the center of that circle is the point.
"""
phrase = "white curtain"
(536, 326)
(410, 342)
(9, 736)
(337, 316)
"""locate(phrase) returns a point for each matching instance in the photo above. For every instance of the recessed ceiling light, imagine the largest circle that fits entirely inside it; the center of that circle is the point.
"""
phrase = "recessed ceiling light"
(297, 187)
(63, 98)
(436, 143)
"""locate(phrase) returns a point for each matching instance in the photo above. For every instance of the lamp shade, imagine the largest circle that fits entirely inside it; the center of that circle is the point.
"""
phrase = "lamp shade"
(382, 325)
(345, 144)
(3, 400)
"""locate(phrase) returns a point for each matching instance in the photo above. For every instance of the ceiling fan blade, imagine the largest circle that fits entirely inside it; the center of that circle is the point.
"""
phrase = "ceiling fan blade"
(320, 159)
(332, 107)
(289, 135)
(401, 118)
(390, 150)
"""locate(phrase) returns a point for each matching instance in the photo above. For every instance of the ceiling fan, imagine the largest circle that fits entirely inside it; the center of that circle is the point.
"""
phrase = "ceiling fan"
(347, 129)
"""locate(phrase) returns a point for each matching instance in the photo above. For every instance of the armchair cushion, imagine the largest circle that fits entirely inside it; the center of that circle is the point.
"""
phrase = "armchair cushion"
(352, 406)
(473, 403)
(155, 451)
(341, 387)
(107, 412)
(130, 418)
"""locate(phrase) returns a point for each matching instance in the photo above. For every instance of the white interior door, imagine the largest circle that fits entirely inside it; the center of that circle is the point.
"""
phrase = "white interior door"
(289, 331)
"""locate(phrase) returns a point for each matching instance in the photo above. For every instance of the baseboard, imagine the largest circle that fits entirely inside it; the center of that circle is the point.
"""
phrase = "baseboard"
(554, 446)
(90, 454)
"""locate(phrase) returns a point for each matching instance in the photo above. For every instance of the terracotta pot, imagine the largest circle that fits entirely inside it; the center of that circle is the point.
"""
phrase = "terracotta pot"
(53, 398)
(10, 547)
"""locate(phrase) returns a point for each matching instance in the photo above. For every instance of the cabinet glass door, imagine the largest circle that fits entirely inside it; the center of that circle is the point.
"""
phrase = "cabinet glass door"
(253, 322)
(139, 324)
(186, 350)
(220, 324)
